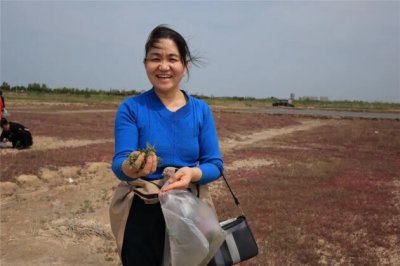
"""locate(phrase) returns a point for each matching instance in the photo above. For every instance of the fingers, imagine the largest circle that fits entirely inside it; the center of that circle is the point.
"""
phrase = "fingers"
(175, 178)
(176, 185)
(171, 186)
(178, 181)
(138, 161)
(141, 165)
(150, 165)
(154, 162)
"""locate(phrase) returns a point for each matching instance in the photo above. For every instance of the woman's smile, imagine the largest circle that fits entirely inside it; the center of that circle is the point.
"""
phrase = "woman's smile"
(164, 76)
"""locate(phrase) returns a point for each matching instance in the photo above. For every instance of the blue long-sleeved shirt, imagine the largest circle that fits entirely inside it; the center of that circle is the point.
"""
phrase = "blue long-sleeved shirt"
(187, 137)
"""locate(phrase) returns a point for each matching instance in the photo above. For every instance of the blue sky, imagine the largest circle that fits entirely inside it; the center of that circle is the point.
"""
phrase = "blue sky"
(339, 49)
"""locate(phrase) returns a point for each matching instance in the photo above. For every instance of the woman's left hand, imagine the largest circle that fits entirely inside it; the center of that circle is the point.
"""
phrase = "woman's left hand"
(182, 178)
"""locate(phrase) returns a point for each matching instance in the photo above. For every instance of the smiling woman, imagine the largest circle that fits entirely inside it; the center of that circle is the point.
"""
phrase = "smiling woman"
(166, 62)
(165, 71)
(182, 131)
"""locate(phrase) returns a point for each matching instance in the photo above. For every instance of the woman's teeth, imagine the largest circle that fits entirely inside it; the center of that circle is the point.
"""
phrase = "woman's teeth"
(163, 76)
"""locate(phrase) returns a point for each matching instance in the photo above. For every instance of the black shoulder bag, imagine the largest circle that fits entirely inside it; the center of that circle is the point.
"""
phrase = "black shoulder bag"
(239, 244)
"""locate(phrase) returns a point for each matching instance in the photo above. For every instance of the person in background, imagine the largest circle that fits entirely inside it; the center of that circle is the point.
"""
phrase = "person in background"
(3, 109)
(183, 132)
(17, 134)
(1, 106)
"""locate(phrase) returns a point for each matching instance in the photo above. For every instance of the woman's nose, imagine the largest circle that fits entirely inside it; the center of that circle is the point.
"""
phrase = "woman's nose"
(164, 65)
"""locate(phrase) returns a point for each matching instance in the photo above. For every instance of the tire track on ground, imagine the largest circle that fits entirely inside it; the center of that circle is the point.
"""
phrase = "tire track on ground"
(239, 141)
(227, 144)
(41, 143)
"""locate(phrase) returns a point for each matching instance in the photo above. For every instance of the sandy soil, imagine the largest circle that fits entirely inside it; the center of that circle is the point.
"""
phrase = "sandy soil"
(45, 217)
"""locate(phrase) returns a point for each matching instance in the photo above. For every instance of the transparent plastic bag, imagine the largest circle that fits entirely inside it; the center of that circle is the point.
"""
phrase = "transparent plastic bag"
(195, 234)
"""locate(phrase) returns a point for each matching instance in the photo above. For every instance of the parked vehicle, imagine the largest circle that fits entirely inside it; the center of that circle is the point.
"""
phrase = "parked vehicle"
(283, 102)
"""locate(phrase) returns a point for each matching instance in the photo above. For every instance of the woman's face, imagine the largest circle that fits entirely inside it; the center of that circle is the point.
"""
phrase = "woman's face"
(164, 67)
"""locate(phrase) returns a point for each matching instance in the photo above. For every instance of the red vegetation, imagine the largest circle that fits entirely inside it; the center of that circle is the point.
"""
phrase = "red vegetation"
(29, 162)
(328, 199)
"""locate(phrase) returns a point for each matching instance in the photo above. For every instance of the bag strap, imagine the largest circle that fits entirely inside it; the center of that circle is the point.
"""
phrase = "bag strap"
(236, 200)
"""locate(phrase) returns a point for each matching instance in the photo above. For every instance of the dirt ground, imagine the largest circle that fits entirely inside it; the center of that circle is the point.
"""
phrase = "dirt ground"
(315, 191)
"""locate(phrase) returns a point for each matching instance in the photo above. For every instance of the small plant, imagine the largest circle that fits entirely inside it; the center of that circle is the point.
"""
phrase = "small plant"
(86, 207)
(147, 151)
(104, 194)
(108, 258)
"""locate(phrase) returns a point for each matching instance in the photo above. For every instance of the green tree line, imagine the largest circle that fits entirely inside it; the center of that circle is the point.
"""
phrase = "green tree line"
(249, 101)
(43, 88)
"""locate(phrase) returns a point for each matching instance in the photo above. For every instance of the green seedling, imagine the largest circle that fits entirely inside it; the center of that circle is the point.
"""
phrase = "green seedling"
(147, 151)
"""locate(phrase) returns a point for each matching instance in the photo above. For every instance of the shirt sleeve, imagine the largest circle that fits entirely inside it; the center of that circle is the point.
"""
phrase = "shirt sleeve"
(210, 161)
(126, 138)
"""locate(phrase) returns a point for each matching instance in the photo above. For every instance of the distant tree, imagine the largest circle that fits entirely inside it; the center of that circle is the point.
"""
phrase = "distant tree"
(44, 87)
(5, 86)
(34, 87)
(18, 88)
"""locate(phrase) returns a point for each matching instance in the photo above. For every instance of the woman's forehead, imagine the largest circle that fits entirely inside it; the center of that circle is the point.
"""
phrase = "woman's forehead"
(164, 46)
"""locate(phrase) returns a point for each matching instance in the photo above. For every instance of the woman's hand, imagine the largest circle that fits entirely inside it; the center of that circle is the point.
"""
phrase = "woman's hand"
(182, 178)
(135, 170)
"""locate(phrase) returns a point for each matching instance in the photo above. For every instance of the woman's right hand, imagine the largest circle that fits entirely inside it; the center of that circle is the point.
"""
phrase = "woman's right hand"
(135, 170)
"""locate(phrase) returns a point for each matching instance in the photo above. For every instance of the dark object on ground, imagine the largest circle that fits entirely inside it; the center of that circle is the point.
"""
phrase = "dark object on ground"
(282, 102)
(16, 133)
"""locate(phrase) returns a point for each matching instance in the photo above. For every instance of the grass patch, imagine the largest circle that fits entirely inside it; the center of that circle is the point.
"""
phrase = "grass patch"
(62, 97)
(226, 102)
(329, 202)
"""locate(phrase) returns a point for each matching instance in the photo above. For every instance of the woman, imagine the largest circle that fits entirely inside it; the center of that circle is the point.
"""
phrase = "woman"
(183, 132)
